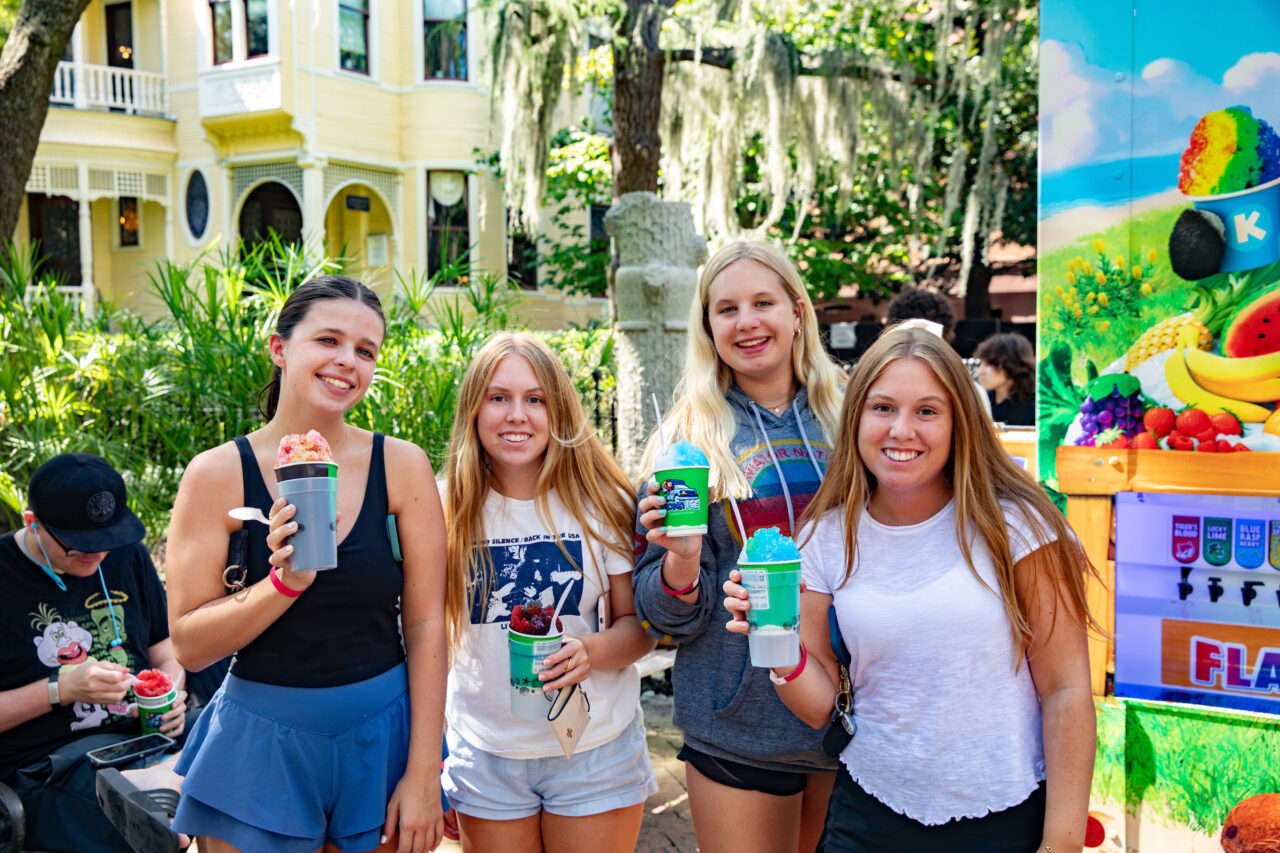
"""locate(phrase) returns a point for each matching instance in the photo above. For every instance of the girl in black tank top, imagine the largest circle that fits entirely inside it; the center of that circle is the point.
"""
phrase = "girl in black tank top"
(332, 668)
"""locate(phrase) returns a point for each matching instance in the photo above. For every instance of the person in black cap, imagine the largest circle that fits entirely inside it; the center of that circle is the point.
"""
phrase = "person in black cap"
(83, 611)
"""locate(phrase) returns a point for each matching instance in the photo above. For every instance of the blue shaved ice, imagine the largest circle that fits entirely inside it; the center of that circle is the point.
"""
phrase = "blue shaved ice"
(768, 545)
(682, 454)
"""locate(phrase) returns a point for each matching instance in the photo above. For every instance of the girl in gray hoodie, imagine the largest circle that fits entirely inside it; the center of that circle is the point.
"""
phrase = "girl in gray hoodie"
(759, 396)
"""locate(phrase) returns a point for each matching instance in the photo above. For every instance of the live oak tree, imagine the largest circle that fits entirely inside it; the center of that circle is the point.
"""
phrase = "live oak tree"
(32, 50)
(884, 141)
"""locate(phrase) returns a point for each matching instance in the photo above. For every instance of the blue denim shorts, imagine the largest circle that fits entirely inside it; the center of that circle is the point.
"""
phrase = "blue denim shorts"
(613, 776)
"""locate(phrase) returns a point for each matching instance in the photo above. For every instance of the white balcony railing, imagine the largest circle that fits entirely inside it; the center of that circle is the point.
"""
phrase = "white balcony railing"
(103, 87)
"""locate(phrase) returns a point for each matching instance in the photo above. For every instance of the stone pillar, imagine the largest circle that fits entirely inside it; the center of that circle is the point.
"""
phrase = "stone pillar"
(659, 253)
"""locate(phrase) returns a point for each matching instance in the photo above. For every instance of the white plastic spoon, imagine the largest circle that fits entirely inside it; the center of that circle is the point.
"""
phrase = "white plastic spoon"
(248, 513)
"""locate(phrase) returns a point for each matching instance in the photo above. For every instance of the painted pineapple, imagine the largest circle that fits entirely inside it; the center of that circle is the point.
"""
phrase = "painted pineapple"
(1165, 336)
(1213, 307)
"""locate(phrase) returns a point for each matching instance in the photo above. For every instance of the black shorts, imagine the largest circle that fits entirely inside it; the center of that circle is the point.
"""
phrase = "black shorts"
(859, 823)
(744, 777)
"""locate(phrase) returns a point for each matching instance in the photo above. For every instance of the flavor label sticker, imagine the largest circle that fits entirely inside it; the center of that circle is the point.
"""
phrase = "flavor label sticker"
(757, 583)
(1186, 538)
(1273, 546)
(1217, 541)
(1250, 542)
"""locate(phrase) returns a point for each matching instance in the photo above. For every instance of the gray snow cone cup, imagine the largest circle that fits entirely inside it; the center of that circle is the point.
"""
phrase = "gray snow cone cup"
(312, 487)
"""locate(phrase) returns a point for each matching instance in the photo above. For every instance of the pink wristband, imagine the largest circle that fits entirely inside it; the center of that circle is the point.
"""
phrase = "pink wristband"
(668, 590)
(282, 587)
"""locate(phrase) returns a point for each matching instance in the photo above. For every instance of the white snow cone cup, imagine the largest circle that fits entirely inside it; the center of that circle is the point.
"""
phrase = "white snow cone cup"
(1251, 217)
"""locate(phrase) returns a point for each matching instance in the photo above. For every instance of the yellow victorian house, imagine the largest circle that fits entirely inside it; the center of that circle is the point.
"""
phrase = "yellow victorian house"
(355, 125)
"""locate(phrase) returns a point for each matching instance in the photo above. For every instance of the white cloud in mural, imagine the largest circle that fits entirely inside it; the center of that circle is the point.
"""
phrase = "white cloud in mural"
(1086, 114)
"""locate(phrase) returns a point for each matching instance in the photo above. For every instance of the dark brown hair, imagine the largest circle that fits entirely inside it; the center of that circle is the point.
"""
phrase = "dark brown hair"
(295, 311)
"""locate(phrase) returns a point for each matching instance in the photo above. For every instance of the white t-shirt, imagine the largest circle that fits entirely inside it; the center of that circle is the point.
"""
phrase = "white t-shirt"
(946, 727)
(527, 564)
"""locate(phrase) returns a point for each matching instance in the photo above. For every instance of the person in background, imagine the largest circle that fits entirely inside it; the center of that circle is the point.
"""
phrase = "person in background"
(1007, 370)
(942, 557)
(537, 509)
(760, 397)
(917, 303)
(83, 611)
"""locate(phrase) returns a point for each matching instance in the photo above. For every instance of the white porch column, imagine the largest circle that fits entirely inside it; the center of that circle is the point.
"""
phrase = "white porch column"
(79, 76)
(313, 204)
(87, 291)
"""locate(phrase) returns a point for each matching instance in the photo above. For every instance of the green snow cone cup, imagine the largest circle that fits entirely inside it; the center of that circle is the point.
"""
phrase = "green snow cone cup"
(773, 620)
(686, 493)
(527, 652)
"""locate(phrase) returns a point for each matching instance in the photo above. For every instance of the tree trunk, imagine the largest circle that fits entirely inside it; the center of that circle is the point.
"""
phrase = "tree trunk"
(637, 97)
(27, 65)
(977, 294)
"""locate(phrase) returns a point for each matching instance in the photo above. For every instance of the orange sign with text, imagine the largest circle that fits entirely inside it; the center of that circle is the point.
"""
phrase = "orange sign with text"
(1236, 659)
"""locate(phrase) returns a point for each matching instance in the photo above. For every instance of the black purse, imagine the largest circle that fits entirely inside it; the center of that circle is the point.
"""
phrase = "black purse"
(843, 724)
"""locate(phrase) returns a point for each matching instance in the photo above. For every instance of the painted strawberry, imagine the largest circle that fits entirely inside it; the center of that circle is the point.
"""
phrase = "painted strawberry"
(1111, 438)
(1207, 447)
(1243, 448)
(1207, 436)
(1192, 421)
(1159, 420)
(1178, 441)
(1145, 441)
(1226, 423)
(1225, 446)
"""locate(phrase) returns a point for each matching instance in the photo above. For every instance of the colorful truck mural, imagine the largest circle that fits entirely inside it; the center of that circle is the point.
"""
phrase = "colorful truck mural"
(1159, 329)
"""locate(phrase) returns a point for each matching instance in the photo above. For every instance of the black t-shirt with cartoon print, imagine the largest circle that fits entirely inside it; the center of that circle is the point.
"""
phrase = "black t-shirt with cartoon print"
(43, 628)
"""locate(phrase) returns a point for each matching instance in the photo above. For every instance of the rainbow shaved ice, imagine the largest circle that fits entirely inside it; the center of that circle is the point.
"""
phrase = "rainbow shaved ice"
(303, 448)
(1229, 151)
(682, 454)
(768, 545)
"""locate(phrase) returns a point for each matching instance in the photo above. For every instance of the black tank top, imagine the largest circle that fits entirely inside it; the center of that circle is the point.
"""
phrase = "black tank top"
(345, 627)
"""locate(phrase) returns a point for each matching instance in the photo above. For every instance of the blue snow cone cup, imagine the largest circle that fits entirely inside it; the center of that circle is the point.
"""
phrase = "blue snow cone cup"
(312, 487)
(1250, 217)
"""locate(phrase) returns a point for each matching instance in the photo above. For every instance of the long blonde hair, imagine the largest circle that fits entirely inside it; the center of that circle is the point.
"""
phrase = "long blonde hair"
(701, 413)
(584, 475)
(981, 474)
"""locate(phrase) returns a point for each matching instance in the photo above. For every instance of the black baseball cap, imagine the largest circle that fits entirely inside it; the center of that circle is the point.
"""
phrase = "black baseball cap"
(81, 500)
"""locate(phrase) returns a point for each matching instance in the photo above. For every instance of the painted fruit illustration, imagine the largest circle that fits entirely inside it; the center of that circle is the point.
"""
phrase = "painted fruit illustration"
(1253, 826)
(1255, 330)
(1112, 401)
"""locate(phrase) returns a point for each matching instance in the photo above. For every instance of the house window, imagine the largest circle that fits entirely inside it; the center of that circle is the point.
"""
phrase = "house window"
(197, 204)
(448, 222)
(127, 222)
(222, 27)
(444, 35)
(256, 39)
(255, 21)
(522, 261)
(353, 35)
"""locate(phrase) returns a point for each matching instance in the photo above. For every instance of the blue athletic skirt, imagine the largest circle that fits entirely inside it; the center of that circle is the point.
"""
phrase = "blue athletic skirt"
(272, 768)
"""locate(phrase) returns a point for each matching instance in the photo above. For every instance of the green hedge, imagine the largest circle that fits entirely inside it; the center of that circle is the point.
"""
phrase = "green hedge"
(148, 396)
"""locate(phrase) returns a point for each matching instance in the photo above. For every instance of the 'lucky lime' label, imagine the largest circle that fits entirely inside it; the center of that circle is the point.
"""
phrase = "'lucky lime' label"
(1250, 543)
(1217, 541)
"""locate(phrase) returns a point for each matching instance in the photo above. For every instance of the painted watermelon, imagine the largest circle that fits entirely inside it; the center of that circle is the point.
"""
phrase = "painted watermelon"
(1256, 329)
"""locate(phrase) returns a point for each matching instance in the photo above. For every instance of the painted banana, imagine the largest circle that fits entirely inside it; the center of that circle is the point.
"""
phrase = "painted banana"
(1261, 391)
(1184, 387)
(1220, 369)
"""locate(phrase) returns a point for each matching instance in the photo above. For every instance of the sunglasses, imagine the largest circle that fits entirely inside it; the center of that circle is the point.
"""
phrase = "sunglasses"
(63, 545)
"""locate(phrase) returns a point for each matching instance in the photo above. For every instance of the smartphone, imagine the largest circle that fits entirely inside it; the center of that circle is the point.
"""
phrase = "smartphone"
(127, 750)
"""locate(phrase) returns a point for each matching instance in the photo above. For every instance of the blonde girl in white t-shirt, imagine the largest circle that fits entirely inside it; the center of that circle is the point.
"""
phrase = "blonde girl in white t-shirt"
(959, 591)
(535, 505)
